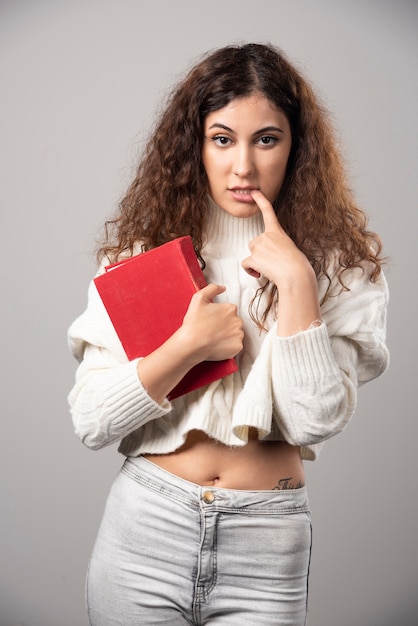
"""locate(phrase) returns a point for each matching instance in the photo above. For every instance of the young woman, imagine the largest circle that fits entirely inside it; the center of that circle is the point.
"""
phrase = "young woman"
(208, 521)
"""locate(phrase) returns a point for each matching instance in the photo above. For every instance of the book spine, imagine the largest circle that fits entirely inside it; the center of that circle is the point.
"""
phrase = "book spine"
(186, 246)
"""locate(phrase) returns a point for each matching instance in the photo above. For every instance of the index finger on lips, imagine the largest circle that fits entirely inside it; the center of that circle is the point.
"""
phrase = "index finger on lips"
(270, 219)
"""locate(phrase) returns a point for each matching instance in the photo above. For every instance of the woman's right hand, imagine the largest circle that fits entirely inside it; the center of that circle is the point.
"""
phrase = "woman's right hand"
(211, 331)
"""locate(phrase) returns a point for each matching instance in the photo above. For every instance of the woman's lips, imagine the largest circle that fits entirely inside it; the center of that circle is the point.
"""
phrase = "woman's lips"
(242, 194)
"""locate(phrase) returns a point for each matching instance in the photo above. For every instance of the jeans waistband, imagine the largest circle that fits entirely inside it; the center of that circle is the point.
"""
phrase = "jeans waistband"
(275, 502)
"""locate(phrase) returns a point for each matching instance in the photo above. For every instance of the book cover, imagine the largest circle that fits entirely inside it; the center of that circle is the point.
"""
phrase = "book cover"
(146, 298)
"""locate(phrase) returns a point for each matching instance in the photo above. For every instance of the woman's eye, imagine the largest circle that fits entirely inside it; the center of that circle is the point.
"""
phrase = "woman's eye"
(267, 140)
(221, 140)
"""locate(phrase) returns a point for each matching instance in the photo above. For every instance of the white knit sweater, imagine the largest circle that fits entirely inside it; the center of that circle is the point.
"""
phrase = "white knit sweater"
(301, 388)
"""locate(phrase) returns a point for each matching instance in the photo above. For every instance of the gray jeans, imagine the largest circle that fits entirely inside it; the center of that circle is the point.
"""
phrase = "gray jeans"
(174, 553)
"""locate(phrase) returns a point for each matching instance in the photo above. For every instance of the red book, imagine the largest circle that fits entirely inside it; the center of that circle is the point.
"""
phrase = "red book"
(146, 298)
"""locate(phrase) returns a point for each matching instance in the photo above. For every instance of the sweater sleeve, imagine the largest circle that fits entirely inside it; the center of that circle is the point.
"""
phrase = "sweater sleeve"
(108, 400)
(311, 378)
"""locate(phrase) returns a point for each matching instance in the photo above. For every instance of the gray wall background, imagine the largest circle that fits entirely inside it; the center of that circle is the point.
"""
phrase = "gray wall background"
(80, 81)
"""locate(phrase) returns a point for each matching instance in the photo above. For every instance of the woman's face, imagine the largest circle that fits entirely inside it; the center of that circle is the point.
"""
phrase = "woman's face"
(246, 146)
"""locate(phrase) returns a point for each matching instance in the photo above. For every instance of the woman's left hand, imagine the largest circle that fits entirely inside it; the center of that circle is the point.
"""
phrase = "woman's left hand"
(275, 256)
(273, 253)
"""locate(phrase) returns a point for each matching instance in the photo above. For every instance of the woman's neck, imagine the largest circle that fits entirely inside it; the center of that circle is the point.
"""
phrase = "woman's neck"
(224, 231)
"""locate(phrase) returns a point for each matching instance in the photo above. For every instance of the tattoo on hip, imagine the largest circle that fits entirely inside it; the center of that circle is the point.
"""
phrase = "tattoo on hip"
(288, 483)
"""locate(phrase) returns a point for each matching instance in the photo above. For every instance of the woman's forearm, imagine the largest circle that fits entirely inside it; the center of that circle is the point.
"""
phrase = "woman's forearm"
(298, 307)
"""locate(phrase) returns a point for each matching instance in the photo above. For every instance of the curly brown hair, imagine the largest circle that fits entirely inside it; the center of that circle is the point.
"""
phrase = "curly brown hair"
(168, 197)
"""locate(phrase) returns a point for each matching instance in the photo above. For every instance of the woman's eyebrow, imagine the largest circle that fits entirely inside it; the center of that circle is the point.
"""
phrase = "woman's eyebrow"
(266, 129)
(218, 125)
(269, 129)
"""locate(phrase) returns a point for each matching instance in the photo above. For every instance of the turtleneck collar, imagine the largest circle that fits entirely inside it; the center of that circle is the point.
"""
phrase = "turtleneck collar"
(226, 232)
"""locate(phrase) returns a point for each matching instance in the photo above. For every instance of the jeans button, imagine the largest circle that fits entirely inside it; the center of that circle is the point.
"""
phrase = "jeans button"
(208, 497)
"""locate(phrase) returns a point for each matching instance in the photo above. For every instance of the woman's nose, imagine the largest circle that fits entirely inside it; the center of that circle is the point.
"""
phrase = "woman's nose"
(243, 165)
